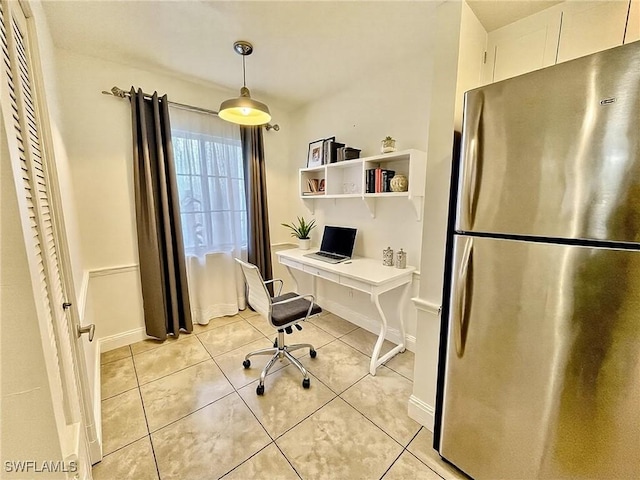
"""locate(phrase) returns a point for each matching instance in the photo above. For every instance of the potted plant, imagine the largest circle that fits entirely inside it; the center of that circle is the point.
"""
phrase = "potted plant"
(388, 145)
(301, 231)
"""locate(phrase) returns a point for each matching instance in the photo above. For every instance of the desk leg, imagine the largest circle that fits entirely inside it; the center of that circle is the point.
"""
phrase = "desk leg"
(375, 361)
(383, 332)
(295, 282)
(401, 308)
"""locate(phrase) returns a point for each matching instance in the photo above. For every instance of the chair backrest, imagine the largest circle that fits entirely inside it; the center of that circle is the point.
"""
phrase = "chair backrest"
(258, 296)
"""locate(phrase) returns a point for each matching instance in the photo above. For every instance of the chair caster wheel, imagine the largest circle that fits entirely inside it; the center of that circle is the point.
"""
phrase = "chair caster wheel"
(246, 363)
(306, 383)
(260, 390)
(313, 353)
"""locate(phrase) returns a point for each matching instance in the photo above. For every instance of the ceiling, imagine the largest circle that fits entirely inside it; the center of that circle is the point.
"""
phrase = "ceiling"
(494, 14)
(302, 49)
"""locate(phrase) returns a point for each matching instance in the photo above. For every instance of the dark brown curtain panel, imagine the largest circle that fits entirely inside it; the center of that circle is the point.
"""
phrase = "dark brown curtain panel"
(255, 180)
(163, 274)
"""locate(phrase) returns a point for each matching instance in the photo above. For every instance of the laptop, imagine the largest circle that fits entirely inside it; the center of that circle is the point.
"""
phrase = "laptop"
(337, 245)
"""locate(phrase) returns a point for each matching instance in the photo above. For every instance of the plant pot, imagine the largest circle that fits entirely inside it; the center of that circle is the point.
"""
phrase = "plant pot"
(388, 146)
(304, 243)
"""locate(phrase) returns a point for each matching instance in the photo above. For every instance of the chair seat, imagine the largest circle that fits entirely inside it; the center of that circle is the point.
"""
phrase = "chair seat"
(289, 312)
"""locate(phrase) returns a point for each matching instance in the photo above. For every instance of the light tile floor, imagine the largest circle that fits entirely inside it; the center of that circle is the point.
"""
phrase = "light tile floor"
(187, 409)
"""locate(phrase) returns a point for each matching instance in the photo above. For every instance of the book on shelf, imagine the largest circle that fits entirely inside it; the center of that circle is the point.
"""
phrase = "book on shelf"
(307, 194)
(378, 180)
(314, 185)
(330, 150)
(370, 181)
(387, 175)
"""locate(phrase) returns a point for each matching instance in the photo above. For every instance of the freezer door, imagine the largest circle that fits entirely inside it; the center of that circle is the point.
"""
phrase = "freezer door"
(556, 153)
(543, 362)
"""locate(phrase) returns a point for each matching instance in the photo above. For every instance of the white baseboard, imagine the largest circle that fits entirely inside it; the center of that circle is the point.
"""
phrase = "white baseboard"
(370, 324)
(121, 339)
(421, 412)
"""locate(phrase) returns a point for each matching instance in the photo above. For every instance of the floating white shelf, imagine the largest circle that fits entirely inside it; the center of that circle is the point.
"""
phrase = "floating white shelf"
(348, 179)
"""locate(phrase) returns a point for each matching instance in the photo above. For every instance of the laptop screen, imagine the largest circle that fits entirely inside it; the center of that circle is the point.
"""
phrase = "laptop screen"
(339, 240)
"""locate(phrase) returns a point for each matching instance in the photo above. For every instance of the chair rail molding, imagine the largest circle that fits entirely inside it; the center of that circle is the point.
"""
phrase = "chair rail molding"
(426, 306)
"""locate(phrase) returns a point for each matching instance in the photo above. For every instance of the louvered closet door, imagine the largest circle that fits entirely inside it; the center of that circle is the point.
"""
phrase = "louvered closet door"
(29, 161)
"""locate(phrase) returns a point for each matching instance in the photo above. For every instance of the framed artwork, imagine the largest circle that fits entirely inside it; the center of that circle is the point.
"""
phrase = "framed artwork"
(316, 154)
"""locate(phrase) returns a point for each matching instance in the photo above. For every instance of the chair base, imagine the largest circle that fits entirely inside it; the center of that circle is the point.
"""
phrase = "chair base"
(277, 352)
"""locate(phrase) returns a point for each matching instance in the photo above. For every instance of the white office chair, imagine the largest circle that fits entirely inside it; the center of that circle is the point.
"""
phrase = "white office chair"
(283, 312)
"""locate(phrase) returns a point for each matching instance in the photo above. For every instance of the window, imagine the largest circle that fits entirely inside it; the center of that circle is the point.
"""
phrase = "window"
(210, 177)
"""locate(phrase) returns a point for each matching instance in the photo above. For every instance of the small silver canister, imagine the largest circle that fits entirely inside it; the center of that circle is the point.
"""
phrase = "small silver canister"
(387, 257)
(401, 259)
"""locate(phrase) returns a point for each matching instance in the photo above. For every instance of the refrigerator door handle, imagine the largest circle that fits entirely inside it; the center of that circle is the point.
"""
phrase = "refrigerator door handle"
(473, 137)
(461, 325)
(470, 177)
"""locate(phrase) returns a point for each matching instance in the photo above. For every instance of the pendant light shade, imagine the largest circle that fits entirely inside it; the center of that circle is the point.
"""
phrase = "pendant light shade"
(244, 110)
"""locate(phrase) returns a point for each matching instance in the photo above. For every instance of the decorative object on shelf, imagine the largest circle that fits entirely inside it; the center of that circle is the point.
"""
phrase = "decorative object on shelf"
(301, 231)
(399, 183)
(401, 259)
(348, 188)
(346, 153)
(244, 110)
(351, 153)
(316, 154)
(387, 257)
(388, 145)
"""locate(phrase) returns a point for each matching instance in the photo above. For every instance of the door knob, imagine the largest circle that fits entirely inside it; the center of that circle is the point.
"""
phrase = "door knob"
(90, 329)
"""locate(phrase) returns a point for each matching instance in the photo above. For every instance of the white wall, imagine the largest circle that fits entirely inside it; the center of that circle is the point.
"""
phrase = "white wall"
(392, 100)
(97, 132)
(459, 39)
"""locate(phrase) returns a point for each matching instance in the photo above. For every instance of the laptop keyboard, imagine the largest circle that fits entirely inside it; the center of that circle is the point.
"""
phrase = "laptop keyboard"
(330, 255)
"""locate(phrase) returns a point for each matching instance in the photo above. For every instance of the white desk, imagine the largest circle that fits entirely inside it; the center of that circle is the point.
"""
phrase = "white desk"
(364, 274)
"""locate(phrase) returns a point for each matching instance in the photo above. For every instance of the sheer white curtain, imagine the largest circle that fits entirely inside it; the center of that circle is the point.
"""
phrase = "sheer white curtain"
(209, 171)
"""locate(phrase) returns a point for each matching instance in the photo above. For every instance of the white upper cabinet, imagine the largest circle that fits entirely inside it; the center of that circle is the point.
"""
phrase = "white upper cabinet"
(563, 32)
(633, 23)
(522, 46)
(589, 27)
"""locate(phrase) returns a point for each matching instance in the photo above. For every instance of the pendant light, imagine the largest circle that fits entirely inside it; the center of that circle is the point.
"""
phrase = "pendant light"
(244, 110)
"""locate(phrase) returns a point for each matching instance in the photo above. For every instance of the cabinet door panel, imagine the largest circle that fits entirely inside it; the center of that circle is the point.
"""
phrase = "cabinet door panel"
(633, 24)
(590, 27)
(523, 46)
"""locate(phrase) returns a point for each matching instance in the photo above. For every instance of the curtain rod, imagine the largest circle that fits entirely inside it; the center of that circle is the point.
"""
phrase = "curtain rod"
(120, 93)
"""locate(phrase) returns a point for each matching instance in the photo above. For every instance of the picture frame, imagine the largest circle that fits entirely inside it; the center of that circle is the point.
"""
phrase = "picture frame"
(315, 157)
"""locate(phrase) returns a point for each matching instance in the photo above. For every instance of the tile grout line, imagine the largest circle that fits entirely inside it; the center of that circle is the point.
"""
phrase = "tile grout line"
(288, 461)
(146, 420)
(116, 359)
(365, 416)
(392, 464)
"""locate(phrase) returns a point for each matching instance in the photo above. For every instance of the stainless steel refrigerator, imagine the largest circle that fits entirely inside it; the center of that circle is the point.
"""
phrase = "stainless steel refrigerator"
(539, 371)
